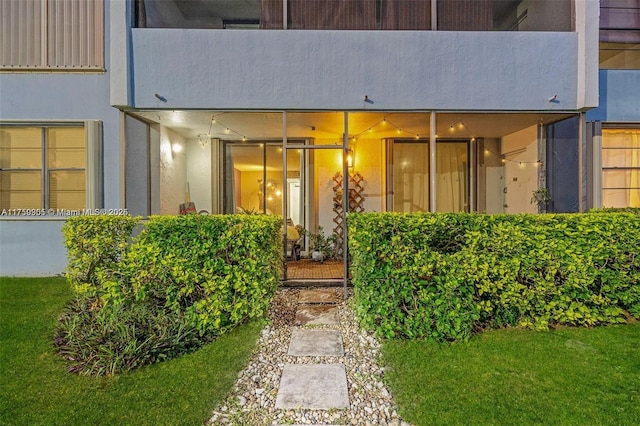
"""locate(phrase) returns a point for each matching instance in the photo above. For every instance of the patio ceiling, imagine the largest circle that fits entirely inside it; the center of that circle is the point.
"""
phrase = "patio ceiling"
(329, 126)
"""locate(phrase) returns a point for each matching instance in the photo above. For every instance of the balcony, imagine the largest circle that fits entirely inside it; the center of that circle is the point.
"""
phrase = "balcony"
(445, 15)
(334, 70)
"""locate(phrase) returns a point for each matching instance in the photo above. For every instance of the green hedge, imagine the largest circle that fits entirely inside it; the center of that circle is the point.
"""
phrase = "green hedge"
(182, 281)
(442, 276)
(95, 247)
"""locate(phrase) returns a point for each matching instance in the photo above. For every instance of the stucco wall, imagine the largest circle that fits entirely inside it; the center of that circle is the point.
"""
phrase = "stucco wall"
(398, 70)
(34, 247)
(173, 173)
(199, 173)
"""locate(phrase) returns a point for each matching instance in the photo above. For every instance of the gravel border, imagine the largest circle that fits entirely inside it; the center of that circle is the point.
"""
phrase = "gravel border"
(252, 400)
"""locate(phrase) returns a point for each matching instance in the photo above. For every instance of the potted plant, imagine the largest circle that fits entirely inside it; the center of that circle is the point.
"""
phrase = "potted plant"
(322, 247)
(541, 197)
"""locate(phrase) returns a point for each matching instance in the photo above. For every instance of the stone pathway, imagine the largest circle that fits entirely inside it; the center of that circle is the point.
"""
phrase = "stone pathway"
(312, 366)
(314, 386)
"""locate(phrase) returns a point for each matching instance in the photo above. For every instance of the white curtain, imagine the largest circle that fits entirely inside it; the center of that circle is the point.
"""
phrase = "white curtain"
(451, 165)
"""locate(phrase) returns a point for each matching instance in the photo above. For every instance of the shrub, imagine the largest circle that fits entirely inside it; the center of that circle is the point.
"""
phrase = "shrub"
(439, 276)
(95, 247)
(183, 281)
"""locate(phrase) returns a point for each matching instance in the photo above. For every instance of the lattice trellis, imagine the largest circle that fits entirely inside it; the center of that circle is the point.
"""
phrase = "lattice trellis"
(356, 204)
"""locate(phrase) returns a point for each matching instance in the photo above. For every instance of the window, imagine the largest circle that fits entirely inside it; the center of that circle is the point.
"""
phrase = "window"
(48, 166)
(621, 167)
(52, 34)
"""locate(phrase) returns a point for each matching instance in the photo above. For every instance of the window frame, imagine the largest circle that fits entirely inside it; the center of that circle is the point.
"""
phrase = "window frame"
(93, 159)
(616, 126)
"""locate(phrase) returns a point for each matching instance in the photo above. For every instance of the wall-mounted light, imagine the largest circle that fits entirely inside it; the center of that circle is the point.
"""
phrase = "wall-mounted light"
(350, 158)
(176, 147)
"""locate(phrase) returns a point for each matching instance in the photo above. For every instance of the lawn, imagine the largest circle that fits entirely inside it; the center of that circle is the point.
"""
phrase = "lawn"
(35, 388)
(567, 376)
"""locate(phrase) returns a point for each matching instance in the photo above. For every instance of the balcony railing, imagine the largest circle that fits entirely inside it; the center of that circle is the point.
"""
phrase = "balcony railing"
(445, 15)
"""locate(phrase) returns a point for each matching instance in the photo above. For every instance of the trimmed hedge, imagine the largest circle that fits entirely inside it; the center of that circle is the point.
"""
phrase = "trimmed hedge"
(442, 276)
(180, 283)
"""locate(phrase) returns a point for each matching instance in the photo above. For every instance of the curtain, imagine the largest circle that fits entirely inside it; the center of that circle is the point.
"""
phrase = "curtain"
(333, 14)
(465, 15)
(406, 14)
(621, 164)
(410, 177)
(451, 164)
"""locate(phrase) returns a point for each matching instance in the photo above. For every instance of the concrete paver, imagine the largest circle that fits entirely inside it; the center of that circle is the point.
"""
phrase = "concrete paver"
(313, 387)
(317, 315)
(310, 342)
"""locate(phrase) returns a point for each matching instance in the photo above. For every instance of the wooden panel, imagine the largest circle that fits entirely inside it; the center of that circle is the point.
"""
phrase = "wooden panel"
(465, 15)
(333, 14)
(406, 15)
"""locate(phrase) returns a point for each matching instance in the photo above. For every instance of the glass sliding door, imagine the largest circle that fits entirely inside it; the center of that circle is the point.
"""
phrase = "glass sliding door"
(253, 179)
(408, 176)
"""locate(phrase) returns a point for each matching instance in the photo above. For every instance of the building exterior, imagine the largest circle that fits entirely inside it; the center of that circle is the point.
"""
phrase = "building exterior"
(232, 107)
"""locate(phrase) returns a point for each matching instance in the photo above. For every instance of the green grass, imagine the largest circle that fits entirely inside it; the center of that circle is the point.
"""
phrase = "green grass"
(35, 388)
(562, 377)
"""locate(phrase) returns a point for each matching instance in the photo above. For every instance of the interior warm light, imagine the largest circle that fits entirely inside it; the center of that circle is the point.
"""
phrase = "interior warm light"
(278, 193)
(177, 117)
(176, 147)
(350, 158)
(203, 139)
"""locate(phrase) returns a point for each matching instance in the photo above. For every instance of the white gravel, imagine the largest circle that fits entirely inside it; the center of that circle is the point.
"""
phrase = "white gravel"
(252, 401)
